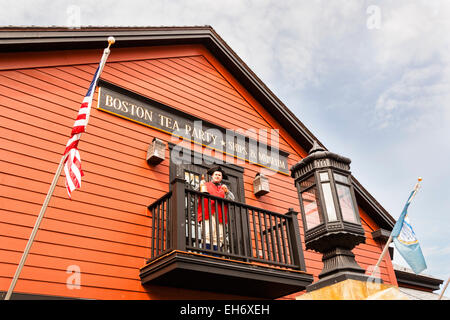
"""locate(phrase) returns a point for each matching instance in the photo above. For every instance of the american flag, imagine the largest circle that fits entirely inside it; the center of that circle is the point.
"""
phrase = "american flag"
(72, 164)
(83, 116)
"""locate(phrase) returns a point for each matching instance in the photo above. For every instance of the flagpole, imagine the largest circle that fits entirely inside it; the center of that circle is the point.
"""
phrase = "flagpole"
(106, 52)
(443, 290)
(388, 242)
(36, 227)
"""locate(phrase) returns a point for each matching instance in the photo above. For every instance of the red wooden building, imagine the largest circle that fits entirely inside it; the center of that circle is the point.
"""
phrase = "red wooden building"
(130, 232)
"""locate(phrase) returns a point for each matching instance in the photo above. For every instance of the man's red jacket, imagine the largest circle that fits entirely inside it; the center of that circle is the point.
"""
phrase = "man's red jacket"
(214, 190)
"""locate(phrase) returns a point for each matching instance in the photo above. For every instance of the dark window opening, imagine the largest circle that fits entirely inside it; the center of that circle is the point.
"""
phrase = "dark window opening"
(193, 169)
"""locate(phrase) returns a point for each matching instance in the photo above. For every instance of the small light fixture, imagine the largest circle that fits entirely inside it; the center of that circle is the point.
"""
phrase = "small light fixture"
(156, 152)
(260, 185)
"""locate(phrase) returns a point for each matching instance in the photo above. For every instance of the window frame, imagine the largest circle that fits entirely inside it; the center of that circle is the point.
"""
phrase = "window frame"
(231, 170)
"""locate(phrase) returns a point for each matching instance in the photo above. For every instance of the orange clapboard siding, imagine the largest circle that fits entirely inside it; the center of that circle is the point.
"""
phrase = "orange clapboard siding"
(60, 201)
(64, 237)
(171, 70)
(100, 175)
(61, 289)
(74, 252)
(22, 80)
(87, 279)
(102, 199)
(12, 61)
(50, 262)
(113, 191)
(110, 159)
(167, 74)
(83, 219)
(35, 127)
(77, 228)
(153, 292)
(200, 62)
(370, 226)
(105, 228)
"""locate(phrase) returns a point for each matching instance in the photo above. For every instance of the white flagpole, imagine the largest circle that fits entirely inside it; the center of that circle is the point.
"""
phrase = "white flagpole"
(36, 227)
(49, 194)
(106, 53)
(443, 290)
(388, 242)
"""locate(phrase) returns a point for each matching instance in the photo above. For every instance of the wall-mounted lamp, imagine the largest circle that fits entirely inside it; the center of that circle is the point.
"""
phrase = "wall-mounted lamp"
(156, 152)
(260, 185)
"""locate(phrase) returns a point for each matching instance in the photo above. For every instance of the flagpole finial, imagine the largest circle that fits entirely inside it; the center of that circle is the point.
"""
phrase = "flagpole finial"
(111, 41)
(417, 186)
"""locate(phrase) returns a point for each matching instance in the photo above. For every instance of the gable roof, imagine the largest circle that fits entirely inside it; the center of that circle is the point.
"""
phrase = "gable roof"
(20, 39)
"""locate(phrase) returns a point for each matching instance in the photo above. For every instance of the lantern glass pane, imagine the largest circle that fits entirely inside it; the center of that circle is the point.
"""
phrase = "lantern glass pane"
(324, 176)
(346, 203)
(312, 216)
(340, 178)
(329, 203)
(305, 184)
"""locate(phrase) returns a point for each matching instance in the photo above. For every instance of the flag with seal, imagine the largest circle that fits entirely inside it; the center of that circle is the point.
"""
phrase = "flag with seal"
(405, 240)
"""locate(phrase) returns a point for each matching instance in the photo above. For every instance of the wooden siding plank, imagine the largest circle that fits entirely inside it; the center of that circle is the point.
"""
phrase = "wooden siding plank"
(170, 70)
(71, 251)
(52, 262)
(78, 228)
(87, 280)
(64, 237)
(61, 201)
(85, 219)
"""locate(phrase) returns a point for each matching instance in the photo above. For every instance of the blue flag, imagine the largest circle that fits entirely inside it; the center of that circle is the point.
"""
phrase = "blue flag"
(406, 242)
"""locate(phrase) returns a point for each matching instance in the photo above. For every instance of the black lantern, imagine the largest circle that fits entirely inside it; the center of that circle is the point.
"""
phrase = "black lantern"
(330, 214)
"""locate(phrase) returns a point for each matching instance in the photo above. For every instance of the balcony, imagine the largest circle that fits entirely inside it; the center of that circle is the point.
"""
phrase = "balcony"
(259, 255)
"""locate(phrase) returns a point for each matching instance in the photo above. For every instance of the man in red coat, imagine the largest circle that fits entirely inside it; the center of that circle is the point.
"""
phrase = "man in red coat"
(215, 188)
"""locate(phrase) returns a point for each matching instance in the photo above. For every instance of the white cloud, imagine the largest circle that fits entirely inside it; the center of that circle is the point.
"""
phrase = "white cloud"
(417, 100)
(437, 250)
(413, 56)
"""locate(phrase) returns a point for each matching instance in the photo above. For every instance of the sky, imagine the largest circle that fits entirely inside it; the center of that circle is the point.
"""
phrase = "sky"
(370, 79)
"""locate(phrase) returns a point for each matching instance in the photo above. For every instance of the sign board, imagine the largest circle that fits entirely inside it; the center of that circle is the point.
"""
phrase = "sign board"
(134, 107)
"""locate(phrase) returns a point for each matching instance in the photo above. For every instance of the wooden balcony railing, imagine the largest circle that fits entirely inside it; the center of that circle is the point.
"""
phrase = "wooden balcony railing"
(250, 234)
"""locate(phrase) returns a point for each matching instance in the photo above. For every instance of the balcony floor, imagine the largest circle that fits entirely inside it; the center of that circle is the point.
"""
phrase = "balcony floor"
(202, 272)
